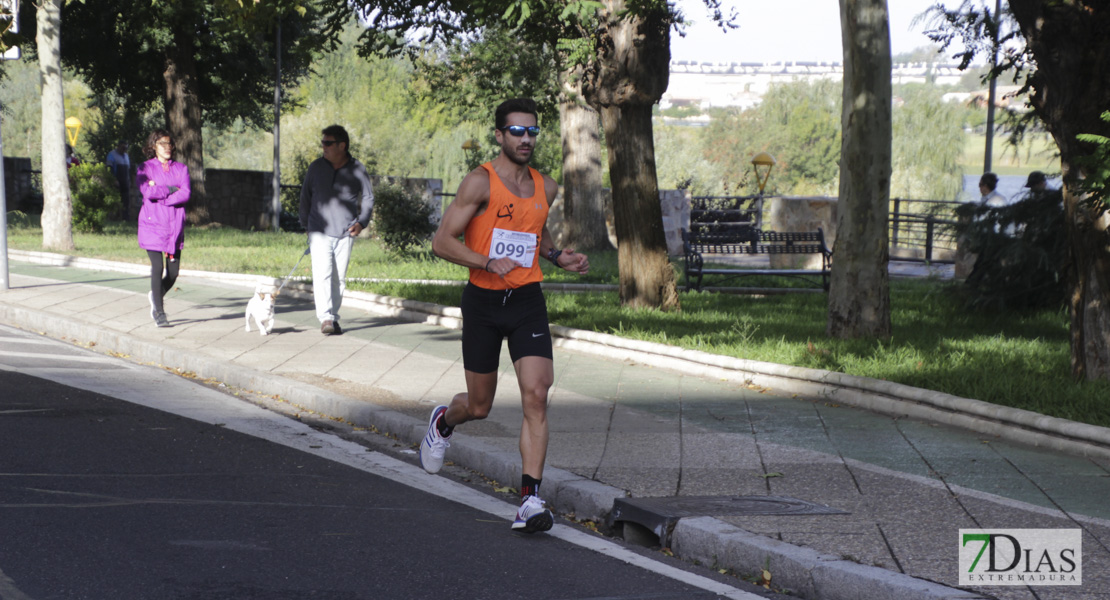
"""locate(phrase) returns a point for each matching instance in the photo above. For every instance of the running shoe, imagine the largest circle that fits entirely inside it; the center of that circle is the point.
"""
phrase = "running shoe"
(434, 445)
(161, 320)
(533, 516)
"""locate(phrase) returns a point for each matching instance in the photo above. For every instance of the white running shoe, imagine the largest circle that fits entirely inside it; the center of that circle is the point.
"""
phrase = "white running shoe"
(433, 445)
(533, 516)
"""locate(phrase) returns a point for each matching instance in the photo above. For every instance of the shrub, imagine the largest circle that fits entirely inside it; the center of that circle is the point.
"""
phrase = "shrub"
(401, 219)
(95, 197)
(1023, 253)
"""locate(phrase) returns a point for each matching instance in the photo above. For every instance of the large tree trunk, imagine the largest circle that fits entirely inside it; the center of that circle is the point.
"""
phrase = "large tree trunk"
(859, 292)
(583, 208)
(627, 79)
(646, 276)
(57, 212)
(1071, 89)
(181, 99)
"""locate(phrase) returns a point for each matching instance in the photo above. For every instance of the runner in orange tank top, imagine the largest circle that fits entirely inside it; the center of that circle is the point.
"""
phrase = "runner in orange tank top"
(501, 212)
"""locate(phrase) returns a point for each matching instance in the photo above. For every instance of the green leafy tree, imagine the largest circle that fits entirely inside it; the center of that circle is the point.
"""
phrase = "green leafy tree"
(798, 123)
(201, 61)
(928, 140)
(1058, 50)
(95, 197)
(22, 105)
(402, 220)
(394, 129)
(680, 167)
(472, 76)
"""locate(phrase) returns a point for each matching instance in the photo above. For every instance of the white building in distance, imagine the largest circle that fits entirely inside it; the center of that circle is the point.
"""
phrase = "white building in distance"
(716, 85)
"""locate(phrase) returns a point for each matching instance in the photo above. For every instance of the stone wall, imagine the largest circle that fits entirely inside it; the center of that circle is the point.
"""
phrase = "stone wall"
(676, 216)
(240, 199)
(801, 213)
(19, 190)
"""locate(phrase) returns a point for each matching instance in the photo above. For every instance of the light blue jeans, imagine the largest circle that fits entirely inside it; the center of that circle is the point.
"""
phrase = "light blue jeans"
(330, 256)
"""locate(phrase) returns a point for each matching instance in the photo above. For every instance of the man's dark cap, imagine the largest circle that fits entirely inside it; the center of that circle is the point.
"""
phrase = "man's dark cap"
(1035, 178)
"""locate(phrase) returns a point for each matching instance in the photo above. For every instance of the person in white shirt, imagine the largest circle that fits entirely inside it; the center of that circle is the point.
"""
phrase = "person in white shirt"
(990, 197)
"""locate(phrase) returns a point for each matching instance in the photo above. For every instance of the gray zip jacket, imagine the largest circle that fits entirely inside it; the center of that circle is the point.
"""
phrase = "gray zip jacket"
(334, 199)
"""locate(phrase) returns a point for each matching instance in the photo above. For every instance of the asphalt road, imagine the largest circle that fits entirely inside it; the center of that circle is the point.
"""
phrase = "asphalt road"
(123, 481)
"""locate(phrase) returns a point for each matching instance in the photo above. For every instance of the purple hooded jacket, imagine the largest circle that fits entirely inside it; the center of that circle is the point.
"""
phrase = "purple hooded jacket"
(162, 217)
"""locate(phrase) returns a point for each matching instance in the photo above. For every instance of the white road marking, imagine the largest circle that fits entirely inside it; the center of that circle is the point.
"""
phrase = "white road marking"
(70, 357)
(8, 591)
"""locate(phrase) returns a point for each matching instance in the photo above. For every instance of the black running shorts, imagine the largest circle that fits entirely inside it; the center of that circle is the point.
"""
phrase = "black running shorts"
(490, 316)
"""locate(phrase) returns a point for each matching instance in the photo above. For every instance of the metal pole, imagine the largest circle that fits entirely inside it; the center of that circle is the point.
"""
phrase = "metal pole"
(3, 222)
(897, 203)
(929, 225)
(988, 152)
(275, 204)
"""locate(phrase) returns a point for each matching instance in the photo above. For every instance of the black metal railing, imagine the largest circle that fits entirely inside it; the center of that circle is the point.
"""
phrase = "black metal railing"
(920, 230)
(924, 228)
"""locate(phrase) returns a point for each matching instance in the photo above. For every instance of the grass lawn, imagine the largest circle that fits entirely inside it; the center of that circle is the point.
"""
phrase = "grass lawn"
(1017, 359)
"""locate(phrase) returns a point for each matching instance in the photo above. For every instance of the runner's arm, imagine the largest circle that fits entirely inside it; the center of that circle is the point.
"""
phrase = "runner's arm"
(567, 259)
(473, 194)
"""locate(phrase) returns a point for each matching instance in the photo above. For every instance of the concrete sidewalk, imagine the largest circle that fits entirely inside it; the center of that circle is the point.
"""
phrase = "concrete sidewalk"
(624, 423)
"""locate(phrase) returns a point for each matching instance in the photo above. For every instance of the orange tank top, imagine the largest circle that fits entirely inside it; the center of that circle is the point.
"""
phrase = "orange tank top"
(510, 226)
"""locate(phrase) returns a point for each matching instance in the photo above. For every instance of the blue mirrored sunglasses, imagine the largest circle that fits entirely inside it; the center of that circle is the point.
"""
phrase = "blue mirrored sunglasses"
(518, 130)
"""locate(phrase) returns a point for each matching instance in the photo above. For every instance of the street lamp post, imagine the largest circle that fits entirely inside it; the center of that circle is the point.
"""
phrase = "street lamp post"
(73, 129)
(767, 162)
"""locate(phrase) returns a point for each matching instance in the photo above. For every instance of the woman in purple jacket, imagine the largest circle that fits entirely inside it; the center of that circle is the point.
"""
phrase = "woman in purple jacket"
(164, 184)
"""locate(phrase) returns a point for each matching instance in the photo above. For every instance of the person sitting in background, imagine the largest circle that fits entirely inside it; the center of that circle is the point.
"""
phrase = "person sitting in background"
(71, 158)
(1037, 183)
(990, 196)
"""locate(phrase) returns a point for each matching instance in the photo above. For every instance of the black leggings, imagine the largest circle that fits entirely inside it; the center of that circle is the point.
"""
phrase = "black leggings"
(159, 285)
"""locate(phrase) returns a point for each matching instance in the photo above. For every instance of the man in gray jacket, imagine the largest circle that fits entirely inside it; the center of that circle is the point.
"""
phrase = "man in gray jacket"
(336, 203)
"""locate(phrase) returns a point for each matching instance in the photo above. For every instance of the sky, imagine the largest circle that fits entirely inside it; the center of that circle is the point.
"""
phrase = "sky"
(784, 30)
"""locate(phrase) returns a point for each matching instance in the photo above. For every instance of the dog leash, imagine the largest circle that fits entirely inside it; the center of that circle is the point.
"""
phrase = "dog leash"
(286, 280)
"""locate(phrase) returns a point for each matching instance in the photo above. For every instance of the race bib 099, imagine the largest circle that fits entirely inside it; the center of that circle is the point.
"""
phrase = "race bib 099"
(517, 245)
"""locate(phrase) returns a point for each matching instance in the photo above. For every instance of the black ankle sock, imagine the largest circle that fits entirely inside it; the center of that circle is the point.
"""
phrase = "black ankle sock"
(442, 427)
(529, 486)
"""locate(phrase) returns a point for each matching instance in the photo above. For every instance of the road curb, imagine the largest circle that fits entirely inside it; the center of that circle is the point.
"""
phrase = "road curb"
(803, 571)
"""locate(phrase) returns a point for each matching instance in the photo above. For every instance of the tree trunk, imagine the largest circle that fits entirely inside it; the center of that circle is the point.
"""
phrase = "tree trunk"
(181, 100)
(57, 212)
(583, 208)
(859, 292)
(1071, 89)
(627, 78)
(646, 276)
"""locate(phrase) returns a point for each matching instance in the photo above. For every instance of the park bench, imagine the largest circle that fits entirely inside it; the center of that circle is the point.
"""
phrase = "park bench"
(732, 226)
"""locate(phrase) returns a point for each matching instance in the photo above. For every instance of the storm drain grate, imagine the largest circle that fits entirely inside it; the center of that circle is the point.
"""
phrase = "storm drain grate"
(660, 514)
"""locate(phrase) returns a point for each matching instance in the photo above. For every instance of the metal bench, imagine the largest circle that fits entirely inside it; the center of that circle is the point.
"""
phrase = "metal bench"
(736, 229)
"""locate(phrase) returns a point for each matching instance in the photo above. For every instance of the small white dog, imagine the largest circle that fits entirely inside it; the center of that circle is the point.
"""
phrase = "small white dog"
(261, 308)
